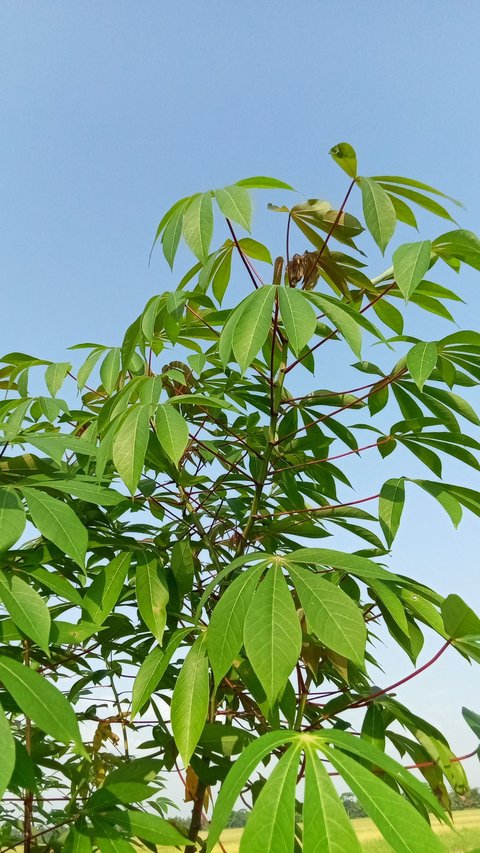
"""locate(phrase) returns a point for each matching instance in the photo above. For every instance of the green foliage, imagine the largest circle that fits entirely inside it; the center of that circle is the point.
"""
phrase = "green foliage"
(158, 536)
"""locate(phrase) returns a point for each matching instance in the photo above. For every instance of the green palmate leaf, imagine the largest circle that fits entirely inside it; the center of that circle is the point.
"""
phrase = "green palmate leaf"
(376, 757)
(251, 330)
(398, 821)
(90, 492)
(345, 156)
(55, 445)
(390, 507)
(298, 317)
(373, 726)
(87, 367)
(419, 185)
(59, 523)
(445, 759)
(225, 631)
(147, 827)
(26, 607)
(271, 825)
(173, 231)
(459, 245)
(389, 601)
(446, 500)
(130, 445)
(221, 275)
(109, 840)
(473, 720)
(326, 825)
(459, 618)
(238, 775)
(272, 634)
(12, 519)
(419, 198)
(76, 840)
(410, 264)
(172, 431)
(190, 700)
(182, 566)
(55, 375)
(110, 369)
(135, 770)
(152, 670)
(130, 342)
(226, 337)
(152, 594)
(403, 212)
(421, 362)
(235, 204)
(102, 595)
(352, 563)
(260, 557)
(389, 315)
(40, 701)
(224, 738)
(260, 182)
(112, 793)
(344, 322)
(333, 617)
(200, 399)
(7, 763)
(379, 212)
(255, 250)
(198, 225)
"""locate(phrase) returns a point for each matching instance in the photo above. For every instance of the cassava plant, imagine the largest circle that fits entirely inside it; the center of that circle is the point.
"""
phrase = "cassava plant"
(167, 604)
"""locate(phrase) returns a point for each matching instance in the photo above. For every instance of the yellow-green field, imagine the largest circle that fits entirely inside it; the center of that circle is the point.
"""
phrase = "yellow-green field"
(465, 838)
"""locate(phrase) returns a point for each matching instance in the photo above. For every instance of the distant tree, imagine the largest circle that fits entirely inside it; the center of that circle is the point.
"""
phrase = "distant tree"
(470, 800)
(352, 806)
(238, 818)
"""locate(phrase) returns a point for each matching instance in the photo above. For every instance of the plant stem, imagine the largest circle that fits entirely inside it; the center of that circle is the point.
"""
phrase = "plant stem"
(200, 528)
(242, 254)
(28, 795)
(302, 703)
(196, 821)
(262, 476)
(332, 229)
(120, 716)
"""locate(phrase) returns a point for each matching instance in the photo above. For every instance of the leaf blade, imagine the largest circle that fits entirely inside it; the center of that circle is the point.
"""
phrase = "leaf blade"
(197, 226)
(272, 634)
(27, 609)
(59, 523)
(190, 700)
(235, 204)
(298, 317)
(41, 702)
(379, 212)
(334, 618)
(410, 264)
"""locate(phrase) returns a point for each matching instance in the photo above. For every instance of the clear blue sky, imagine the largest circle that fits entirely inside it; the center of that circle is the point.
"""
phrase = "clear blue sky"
(112, 110)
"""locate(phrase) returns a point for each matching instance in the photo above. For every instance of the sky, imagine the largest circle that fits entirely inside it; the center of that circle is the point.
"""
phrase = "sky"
(111, 111)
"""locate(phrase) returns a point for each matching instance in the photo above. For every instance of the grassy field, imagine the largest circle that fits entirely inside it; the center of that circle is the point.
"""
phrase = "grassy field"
(465, 838)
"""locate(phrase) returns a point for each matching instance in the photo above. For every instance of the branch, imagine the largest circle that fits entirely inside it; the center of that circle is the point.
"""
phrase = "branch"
(362, 702)
(382, 384)
(316, 509)
(252, 273)
(422, 763)
(332, 458)
(336, 331)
